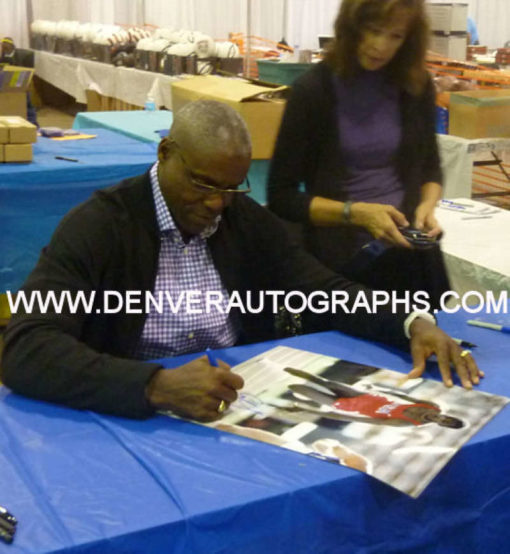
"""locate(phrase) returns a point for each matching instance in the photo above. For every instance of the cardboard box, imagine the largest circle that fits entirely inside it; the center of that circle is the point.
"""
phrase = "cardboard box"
(13, 103)
(261, 111)
(448, 17)
(503, 56)
(15, 79)
(480, 113)
(475, 50)
(17, 153)
(98, 103)
(14, 84)
(93, 100)
(20, 130)
(452, 45)
(4, 133)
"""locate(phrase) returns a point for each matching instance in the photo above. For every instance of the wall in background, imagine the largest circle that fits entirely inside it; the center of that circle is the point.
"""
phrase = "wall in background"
(304, 21)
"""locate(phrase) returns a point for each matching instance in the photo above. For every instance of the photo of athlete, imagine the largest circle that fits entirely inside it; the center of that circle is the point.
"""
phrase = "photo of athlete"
(335, 400)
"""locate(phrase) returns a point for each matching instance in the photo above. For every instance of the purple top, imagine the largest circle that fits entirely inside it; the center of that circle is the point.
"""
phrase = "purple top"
(370, 132)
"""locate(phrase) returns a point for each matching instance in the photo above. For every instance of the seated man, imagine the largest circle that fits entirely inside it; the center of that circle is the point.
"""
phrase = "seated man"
(183, 226)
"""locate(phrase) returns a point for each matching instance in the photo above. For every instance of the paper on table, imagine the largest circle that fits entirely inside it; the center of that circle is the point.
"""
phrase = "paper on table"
(74, 137)
(465, 207)
(356, 415)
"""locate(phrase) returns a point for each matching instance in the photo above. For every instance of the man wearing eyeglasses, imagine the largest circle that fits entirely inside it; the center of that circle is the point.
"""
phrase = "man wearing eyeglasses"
(186, 225)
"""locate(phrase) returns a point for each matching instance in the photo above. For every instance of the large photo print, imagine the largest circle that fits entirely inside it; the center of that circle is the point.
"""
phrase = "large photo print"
(373, 420)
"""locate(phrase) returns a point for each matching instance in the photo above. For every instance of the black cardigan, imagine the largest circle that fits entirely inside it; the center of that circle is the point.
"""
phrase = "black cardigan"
(111, 242)
(308, 151)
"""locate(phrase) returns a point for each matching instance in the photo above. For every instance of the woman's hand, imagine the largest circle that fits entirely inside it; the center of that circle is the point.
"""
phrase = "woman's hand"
(382, 221)
(425, 220)
(424, 214)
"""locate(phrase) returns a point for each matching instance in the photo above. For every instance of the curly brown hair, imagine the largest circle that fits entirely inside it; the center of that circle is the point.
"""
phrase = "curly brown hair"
(407, 68)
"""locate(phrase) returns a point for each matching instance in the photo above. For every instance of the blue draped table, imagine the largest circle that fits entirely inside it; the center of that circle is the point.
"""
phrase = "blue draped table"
(145, 126)
(35, 196)
(85, 483)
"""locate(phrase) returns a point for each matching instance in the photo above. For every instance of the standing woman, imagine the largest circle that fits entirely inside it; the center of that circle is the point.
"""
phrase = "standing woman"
(359, 134)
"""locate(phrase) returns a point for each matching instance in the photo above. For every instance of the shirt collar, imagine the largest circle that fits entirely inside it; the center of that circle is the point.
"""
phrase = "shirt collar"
(166, 222)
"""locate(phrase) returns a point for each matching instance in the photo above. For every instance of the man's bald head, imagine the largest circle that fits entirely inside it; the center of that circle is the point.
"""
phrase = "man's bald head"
(209, 126)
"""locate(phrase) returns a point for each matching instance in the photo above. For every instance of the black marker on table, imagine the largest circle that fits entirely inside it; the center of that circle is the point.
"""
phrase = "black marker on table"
(66, 159)
(464, 343)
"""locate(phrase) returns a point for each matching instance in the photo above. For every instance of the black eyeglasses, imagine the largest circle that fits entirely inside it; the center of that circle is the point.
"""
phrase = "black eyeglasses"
(204, 187)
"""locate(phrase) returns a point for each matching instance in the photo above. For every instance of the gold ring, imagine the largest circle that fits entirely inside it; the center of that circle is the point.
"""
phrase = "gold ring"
(465, 353)
(222, 407)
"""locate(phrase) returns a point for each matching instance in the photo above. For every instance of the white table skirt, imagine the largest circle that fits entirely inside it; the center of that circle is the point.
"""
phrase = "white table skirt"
(476, 250)
(457, 157)
(75, 75)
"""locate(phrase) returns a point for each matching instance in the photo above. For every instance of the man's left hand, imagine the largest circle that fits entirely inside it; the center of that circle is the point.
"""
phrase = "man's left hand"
(426, 340)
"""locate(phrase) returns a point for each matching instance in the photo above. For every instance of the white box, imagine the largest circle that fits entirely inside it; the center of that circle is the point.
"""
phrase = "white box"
(448, 18)
(451, 46)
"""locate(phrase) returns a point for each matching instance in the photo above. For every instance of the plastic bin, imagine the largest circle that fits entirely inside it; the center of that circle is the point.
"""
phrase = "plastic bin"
(281, 73)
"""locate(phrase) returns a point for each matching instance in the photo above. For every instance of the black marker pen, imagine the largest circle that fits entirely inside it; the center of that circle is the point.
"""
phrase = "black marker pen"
(66, 159)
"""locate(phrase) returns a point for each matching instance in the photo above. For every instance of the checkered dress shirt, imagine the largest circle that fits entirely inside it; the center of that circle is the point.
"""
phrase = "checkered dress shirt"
(183, 267)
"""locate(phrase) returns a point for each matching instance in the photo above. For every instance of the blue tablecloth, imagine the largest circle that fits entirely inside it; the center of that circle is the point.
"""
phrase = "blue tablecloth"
(35, 196)
(144, 125)
(80, 482)
(138, 124)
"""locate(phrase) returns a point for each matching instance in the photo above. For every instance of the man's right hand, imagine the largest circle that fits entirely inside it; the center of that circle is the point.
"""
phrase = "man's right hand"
(194, 390)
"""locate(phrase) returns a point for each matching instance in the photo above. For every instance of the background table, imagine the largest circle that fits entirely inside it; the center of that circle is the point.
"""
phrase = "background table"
(144, 125)
(476, 250)
(35, 196)
(140, 125)
(458, 155)
(76, 75)
(80, 482)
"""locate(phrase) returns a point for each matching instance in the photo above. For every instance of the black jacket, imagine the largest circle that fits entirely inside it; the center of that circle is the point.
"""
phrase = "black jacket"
(111, 242)
(308, 151)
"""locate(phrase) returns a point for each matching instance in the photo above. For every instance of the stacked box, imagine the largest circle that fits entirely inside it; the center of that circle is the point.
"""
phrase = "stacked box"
(14, 83)
(16, 138)
(475, 50)
(448, 22)
(448, 17)
(480, 113)
(449, 45)
(261, 107)
(503, 56)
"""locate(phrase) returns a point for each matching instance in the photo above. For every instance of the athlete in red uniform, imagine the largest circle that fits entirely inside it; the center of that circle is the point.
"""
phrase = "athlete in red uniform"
(379, 406)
